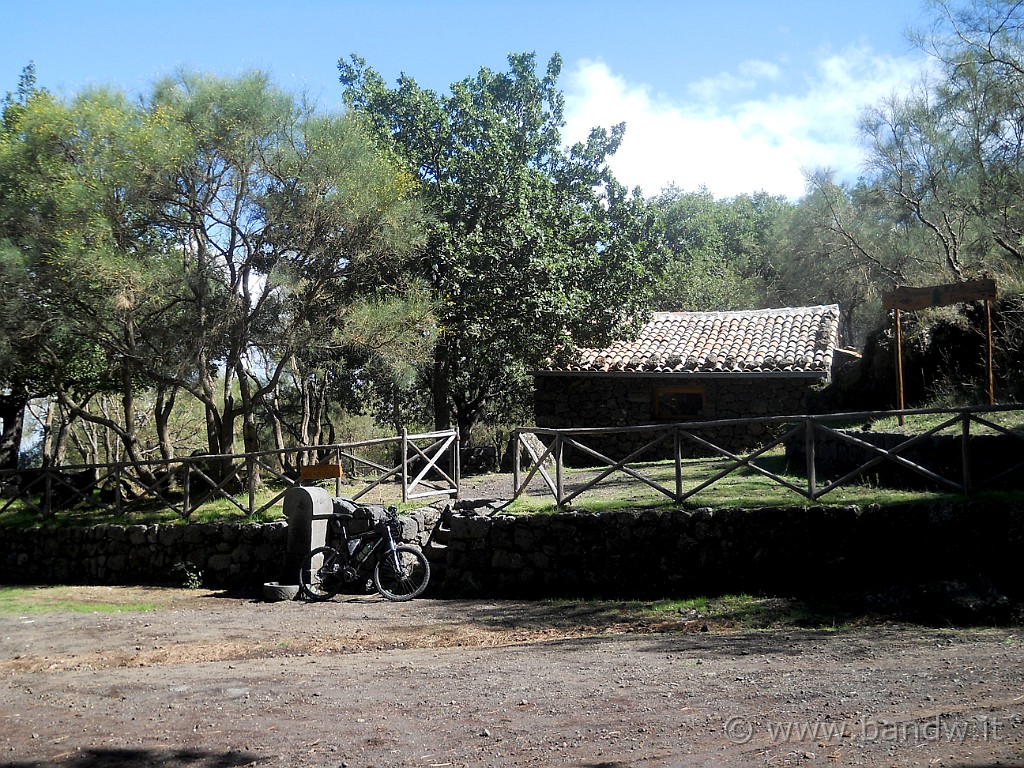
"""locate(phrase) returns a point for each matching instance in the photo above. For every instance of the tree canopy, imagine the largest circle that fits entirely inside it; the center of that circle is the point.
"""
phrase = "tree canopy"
(205, 241)
(223, 245)
(531, 247)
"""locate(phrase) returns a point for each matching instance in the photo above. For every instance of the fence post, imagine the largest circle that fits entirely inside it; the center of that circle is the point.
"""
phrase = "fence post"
(186, 487)
(48, 493)
(250, 479)
(965, 450)
(117, 489)
(457, 469)
(405, 465)
(679, 464)
(337, 480)
(559, 478)
(516, 464)
(812, 479)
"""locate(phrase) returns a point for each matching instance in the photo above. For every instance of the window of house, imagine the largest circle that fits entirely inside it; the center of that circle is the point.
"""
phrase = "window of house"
(678, 403)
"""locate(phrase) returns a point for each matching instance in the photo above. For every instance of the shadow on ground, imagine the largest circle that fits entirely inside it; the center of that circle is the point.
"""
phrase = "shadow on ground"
(152, 758)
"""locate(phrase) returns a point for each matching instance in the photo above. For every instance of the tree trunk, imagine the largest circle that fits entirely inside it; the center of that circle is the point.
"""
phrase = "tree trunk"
(210, 410)
(250, 434)
(46, 449)
(161, 416)
(439, 389)
(12, 414)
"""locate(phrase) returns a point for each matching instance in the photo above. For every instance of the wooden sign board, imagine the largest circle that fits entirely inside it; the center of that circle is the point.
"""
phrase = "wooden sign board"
(940, 295)
(321, 472)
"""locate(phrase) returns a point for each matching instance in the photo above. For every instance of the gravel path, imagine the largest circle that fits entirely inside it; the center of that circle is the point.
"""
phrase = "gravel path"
(208, 680)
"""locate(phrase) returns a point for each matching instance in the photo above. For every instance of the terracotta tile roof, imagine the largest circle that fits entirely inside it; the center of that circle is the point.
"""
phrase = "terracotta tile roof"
(796, 339)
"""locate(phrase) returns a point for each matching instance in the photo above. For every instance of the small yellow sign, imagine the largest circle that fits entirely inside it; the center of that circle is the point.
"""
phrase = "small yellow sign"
(321, 472)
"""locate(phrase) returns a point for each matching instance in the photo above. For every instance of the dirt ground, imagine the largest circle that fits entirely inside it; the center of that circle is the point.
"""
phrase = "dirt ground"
(213, 680)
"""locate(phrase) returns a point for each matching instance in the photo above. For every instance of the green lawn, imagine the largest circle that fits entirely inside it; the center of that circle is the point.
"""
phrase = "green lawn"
(744, 488)
(22, 601)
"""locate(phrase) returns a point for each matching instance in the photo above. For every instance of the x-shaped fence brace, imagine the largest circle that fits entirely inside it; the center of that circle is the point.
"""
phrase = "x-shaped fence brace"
(150, 489)
(810, 426)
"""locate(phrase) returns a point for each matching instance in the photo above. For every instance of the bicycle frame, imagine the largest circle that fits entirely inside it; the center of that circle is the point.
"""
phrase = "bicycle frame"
(399, 571)
(365, 553)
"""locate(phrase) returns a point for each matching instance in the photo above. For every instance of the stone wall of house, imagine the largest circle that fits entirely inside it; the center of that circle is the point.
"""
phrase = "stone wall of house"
(614, 401)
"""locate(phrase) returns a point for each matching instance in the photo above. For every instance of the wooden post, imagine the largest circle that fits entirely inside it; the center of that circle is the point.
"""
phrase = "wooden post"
(899, 367)
(457, 469)
(117, 489)
(965, 453)
(405, 465)
(337, 480)
(679, 464)
(812, 475)
(991, 385)
(559, 479)
(186, 486)
(47, 492)
(517, 467)
(250, 480)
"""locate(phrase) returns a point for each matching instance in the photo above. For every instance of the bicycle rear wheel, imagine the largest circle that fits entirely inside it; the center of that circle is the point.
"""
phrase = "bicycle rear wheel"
(320, 577)
(408, 581)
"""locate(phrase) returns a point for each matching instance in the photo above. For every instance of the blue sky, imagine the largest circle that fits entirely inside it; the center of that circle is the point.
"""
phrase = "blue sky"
(735, 95)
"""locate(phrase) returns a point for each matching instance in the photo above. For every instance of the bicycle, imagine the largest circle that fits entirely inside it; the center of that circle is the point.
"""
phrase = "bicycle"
(399, 571)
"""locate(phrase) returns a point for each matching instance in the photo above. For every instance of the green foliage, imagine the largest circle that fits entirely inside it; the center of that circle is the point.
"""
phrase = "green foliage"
(202, 242)
(190, 575)
(531, 248)
(720, 250)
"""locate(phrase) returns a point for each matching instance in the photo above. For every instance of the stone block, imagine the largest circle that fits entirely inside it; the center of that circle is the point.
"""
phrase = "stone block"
(307, 511)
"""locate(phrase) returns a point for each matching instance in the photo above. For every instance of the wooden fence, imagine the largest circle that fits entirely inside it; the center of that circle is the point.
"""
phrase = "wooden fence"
(427, 466)
(546, 449)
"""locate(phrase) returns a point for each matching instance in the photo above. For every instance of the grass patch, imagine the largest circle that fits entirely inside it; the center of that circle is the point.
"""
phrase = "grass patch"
(145, 512)
(917, 423)
(34, 600)
(743, 489)
(750, 613)
(218, 510)
(721, 613)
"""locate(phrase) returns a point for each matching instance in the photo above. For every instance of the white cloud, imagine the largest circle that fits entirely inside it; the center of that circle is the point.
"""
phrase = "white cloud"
(747, 77)
(728, 141)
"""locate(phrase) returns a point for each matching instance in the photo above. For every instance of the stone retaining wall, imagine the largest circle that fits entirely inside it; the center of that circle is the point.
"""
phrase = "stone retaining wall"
(789, 550)
(795, 550)
(218, 554)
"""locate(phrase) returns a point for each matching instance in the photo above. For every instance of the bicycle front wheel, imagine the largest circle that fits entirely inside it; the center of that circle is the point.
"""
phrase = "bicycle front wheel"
(320, 574)
(409, 580)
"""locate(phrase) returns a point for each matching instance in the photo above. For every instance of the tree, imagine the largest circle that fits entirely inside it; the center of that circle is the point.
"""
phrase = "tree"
(82, 265)
(947, 159)
(980, 111)
(531, 248)
(720, 250)
(202, 242)
(282, 217)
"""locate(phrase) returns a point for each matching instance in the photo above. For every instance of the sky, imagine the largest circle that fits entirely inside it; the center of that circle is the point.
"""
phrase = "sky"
(735, 96)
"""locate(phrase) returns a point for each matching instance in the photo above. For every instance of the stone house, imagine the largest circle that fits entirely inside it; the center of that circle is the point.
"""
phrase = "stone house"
(694, 366)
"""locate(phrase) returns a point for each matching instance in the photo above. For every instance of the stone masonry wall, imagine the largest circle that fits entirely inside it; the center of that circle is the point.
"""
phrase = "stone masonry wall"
(797, 550)
(793, 550)
(221, 554)
(617, 401)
